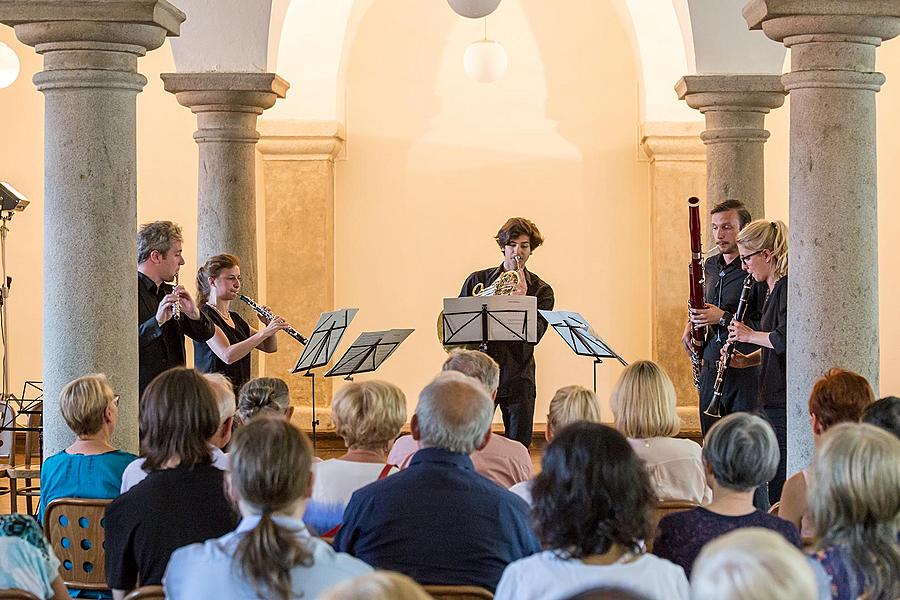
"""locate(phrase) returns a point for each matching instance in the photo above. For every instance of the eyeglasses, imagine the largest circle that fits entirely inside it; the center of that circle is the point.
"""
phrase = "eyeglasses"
(746, 259)
(116, 399)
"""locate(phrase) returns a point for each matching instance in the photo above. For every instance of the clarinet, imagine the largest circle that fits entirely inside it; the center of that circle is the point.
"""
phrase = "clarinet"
(713, 410)
(267, 315)
(697, 298)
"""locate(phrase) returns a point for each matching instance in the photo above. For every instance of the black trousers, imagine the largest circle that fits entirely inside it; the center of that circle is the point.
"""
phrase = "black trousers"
(777, 417)
(518, 417)
(739, 393)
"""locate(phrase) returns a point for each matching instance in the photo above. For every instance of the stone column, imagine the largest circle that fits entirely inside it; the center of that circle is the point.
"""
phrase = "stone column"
(678, 171)
(735, 107)
(833, 294)
(227, 106)
(90, 84)
(299, 187)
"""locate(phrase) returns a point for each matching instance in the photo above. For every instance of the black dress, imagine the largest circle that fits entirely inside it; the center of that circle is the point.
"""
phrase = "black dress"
(206, 361)
(773, 376)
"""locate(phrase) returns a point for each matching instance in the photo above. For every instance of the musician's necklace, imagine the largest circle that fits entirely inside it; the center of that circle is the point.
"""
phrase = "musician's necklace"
(225, 315)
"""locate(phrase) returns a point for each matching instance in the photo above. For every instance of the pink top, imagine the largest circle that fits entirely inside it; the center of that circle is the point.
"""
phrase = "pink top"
(503, 461)
(676, 470)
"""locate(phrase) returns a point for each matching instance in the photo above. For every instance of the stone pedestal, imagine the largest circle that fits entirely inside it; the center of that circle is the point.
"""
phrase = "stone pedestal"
(678, 171)
(735, 107)
(227, 106)
(833, 295)
(299, 187)
(90, 84)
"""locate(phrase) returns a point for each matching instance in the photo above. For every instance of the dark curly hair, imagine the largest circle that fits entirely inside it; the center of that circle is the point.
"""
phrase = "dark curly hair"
(517, 226)
(592, 492)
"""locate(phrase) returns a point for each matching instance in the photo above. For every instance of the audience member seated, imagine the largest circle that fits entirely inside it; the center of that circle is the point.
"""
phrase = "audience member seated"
(378, 585)
(439, 521)
(884, 413)
(270, 554)
(740, 453)
(643, 405)
(368, 416)
(91, 467)
(855, 505)
(27, 561)
(224, 395)
(838, 396)
(569, 404)
(182, 499)
(752, 564)
(504, 461)
(592, 507)
(264, 396)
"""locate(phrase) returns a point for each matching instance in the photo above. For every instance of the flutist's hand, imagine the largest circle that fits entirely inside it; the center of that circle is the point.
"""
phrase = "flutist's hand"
(702, 317)
(188, 306)
(522, 285)
(164, 310)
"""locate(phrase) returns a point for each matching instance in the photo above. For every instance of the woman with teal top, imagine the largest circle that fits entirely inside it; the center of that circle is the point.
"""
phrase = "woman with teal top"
(90, 467)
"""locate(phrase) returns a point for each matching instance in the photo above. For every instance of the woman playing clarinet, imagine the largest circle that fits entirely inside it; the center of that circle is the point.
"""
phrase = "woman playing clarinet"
(762, 246)
(228, 350)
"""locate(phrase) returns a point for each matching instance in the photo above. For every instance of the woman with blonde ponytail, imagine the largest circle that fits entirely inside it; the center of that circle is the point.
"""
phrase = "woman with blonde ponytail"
(762, 247)
(270, 554)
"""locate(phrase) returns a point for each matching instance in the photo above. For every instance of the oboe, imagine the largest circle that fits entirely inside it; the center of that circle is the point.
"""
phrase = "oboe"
(268, 316)
(176, 306)
(697, 298)
(714, 408)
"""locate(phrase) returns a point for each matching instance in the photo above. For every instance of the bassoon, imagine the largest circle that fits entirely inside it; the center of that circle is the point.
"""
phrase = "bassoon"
(697, 298)
(714, 408)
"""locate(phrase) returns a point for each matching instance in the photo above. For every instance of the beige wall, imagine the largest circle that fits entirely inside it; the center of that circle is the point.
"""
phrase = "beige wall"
(436, 163)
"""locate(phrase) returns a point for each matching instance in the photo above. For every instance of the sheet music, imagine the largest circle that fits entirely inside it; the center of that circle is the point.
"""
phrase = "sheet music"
(511, 319)
(578, 334)
(324, 339)
(368, 351)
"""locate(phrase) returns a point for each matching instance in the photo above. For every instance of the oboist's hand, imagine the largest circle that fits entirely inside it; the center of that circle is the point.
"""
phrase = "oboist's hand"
(275, 325)
(702, 317)
(188, 306)
(522, 285)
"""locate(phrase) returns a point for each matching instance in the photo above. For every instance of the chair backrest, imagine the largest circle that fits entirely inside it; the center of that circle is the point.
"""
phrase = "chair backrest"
(147, 592)
(773, 510)
(663, 509)
(17, 595)
(7, 431)
(458, 592)
(74, 527)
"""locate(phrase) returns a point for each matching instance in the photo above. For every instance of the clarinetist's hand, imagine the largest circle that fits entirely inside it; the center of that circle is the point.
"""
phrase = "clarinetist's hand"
(522, 285)
(738, 332)
(188, 306)
(738, 360)
(710, 315)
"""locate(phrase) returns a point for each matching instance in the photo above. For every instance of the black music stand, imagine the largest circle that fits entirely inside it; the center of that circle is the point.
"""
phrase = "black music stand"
(483, 319)
(581, 338)
(320, 348)
(368, 352)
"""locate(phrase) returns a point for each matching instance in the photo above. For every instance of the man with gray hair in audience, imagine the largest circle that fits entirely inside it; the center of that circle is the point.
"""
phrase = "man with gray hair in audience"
(502, 460)
(438, 521)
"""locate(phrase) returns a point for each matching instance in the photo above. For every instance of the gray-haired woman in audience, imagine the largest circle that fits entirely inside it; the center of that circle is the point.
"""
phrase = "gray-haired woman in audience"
(740, 454)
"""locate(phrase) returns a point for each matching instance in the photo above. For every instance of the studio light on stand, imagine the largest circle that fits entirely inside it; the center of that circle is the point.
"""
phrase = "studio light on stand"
(11, 202)
(486, 60)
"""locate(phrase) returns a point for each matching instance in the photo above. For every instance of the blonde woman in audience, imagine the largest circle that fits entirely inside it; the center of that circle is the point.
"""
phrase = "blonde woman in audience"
(740, 453)
(270, 554)
(91, 467)
(368, 416)
(752, 564)
(592, 506)
(838, 396)
(854, 501)
(378, 585)
(643, 405)
(570, 404)
(264, 396)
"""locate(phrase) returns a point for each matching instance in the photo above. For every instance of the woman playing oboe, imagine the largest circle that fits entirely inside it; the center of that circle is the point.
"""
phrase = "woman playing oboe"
(762, 246)
(228, 351)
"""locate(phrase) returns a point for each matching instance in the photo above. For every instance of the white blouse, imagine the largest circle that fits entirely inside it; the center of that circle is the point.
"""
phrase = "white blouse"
(676, 470)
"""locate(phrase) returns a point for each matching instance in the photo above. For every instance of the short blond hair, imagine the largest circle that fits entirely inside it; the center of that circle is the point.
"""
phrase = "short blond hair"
(767, 235)
(378, 585)
(83, 403)
(643, 402)
(570, 404)
(368, 413)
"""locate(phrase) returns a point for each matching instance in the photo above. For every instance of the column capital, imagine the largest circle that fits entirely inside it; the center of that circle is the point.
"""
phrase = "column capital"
(300, 139)
(673, 141)
(742, 93)
(849, 20)
(226, 92)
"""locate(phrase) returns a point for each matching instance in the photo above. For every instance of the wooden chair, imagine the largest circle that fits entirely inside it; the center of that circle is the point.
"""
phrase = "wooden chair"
(17, 595)
(663, 509)
(23, 472)
(147, 592)
(74, 528)
(456, 592)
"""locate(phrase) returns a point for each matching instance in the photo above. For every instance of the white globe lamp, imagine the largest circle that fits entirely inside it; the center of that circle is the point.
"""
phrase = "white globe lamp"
(485, 61)
(9, 66)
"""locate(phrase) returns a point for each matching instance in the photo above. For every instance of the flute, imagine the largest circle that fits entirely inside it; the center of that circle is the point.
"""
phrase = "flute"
(268, 316)
(176, 306)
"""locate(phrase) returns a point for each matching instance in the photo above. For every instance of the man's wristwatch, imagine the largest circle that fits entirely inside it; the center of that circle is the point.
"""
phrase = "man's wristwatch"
(723, 322)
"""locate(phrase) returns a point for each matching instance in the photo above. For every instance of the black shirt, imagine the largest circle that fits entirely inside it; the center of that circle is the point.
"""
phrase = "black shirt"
(161, 348)
(516, 359)
(723, 283)
(169, 509)
(773, 370)
(206, 361)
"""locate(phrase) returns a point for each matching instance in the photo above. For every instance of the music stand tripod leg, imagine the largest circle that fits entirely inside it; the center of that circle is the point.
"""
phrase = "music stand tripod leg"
(315, 421)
